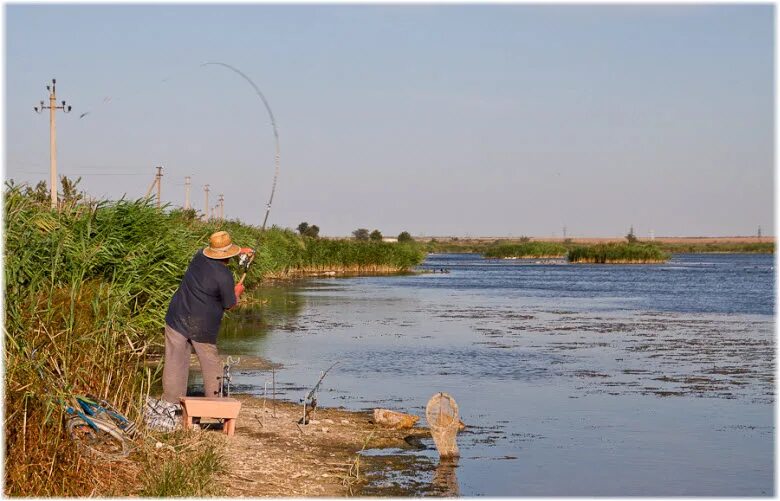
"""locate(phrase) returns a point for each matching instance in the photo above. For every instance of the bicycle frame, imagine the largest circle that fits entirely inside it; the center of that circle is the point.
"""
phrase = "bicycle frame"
(89, 408)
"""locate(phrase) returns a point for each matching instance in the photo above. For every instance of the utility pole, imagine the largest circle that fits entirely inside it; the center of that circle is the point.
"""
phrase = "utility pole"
(187, 192)
(759, 233)
(206, 209)
(151, 187)
(158, 178)
(222, 206)
(53, 135)
(564, 232)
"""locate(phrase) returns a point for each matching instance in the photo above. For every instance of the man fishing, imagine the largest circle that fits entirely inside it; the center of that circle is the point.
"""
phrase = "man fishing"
(195, 314)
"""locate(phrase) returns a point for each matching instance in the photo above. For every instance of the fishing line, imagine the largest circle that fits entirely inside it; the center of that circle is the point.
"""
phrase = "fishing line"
(273, 125)
(109, 99)
(143, 89)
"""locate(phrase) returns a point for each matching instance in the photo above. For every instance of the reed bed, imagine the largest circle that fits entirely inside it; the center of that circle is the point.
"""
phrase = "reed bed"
(526, 250)
(617, 253)
(86, 290)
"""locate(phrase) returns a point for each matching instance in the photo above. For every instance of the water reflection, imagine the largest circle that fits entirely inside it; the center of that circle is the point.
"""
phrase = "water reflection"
(445, 479)
(262, 310)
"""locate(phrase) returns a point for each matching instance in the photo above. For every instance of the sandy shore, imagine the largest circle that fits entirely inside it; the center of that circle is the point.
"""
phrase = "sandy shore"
(271, 455)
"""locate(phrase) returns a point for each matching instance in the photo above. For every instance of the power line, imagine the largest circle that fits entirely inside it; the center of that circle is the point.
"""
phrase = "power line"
(89, 173)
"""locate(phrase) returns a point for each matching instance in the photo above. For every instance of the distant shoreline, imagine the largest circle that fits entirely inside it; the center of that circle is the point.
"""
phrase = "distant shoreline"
(670, 245)
(601, 240)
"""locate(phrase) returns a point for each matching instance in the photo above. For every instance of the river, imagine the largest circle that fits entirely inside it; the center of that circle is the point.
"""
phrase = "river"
(573, 380)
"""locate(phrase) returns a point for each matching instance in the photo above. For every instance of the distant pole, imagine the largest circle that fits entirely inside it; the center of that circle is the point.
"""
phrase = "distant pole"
(151, 187)
(564, 232)
(759, 233)
(187, 192)
(221, 206)
(206, 209)
(158, 179)
(53, 135)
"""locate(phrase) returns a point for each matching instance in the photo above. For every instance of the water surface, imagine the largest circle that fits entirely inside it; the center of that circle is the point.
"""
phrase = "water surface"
(573, 379)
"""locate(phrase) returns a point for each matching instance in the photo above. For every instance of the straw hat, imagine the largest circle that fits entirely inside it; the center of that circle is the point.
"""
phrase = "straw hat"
(221, 246)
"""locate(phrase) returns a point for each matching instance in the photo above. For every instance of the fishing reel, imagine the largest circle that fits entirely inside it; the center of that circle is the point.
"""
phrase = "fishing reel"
(244, 259)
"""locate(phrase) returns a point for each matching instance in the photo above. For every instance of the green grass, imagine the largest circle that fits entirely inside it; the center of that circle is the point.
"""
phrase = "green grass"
(617, 253)
(526, 250)
(190, 473)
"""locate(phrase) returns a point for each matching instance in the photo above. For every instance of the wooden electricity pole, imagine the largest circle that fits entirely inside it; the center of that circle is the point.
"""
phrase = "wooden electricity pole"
(222, 206)
(157, 182)
(53, 135)
(187, 192)
(159, 186)
(206, 208)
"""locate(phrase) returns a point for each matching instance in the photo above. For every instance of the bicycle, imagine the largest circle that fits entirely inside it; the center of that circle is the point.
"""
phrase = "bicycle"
(98, 428)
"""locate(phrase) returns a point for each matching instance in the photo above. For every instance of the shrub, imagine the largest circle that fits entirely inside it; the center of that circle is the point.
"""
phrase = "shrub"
(404, 236)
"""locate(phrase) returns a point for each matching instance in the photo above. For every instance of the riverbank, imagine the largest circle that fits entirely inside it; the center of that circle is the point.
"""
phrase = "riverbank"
(271, 455)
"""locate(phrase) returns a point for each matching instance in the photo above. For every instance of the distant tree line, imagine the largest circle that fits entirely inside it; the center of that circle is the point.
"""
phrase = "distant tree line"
(305, 230)
(360, 234)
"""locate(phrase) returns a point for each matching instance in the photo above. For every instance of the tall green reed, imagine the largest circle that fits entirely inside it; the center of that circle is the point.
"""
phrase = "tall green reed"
(86, 290)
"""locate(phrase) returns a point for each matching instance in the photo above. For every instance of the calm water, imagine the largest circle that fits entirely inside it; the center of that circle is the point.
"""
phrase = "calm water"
(573, 379)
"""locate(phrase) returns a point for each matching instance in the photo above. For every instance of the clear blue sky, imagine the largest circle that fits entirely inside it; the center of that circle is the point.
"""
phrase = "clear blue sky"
(463, 120)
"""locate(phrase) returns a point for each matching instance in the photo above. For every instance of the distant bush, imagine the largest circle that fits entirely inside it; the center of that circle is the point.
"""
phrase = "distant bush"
(361, 234)
(404, 236)
(375, 236)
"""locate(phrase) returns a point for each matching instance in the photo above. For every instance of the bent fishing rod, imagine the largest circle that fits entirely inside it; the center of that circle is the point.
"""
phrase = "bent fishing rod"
(108, 100)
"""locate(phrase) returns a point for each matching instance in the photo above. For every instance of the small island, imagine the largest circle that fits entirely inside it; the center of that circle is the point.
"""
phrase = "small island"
(527, 250)
(617, 253)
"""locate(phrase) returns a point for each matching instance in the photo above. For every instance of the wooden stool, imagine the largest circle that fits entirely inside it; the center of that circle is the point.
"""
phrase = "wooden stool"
(211, 407)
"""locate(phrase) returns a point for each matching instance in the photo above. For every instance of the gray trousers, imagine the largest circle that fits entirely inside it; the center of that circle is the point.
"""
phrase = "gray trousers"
(177, 366)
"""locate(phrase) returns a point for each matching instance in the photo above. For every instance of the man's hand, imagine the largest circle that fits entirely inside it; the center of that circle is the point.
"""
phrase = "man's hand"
(238, 289)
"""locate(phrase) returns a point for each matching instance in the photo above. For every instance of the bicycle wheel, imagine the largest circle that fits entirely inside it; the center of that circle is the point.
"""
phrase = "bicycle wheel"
(106, 442)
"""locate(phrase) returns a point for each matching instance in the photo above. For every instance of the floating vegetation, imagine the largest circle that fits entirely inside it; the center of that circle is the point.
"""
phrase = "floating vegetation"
(617, 253)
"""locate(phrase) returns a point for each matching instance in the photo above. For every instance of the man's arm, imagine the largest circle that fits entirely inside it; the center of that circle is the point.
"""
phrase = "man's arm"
(229, 292)
(238, 289)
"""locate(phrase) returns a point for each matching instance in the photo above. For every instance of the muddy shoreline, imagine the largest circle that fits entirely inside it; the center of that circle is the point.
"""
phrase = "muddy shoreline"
(271, 455)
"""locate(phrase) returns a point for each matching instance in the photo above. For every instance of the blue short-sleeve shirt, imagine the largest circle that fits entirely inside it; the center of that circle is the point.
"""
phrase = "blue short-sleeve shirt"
(206, 291)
